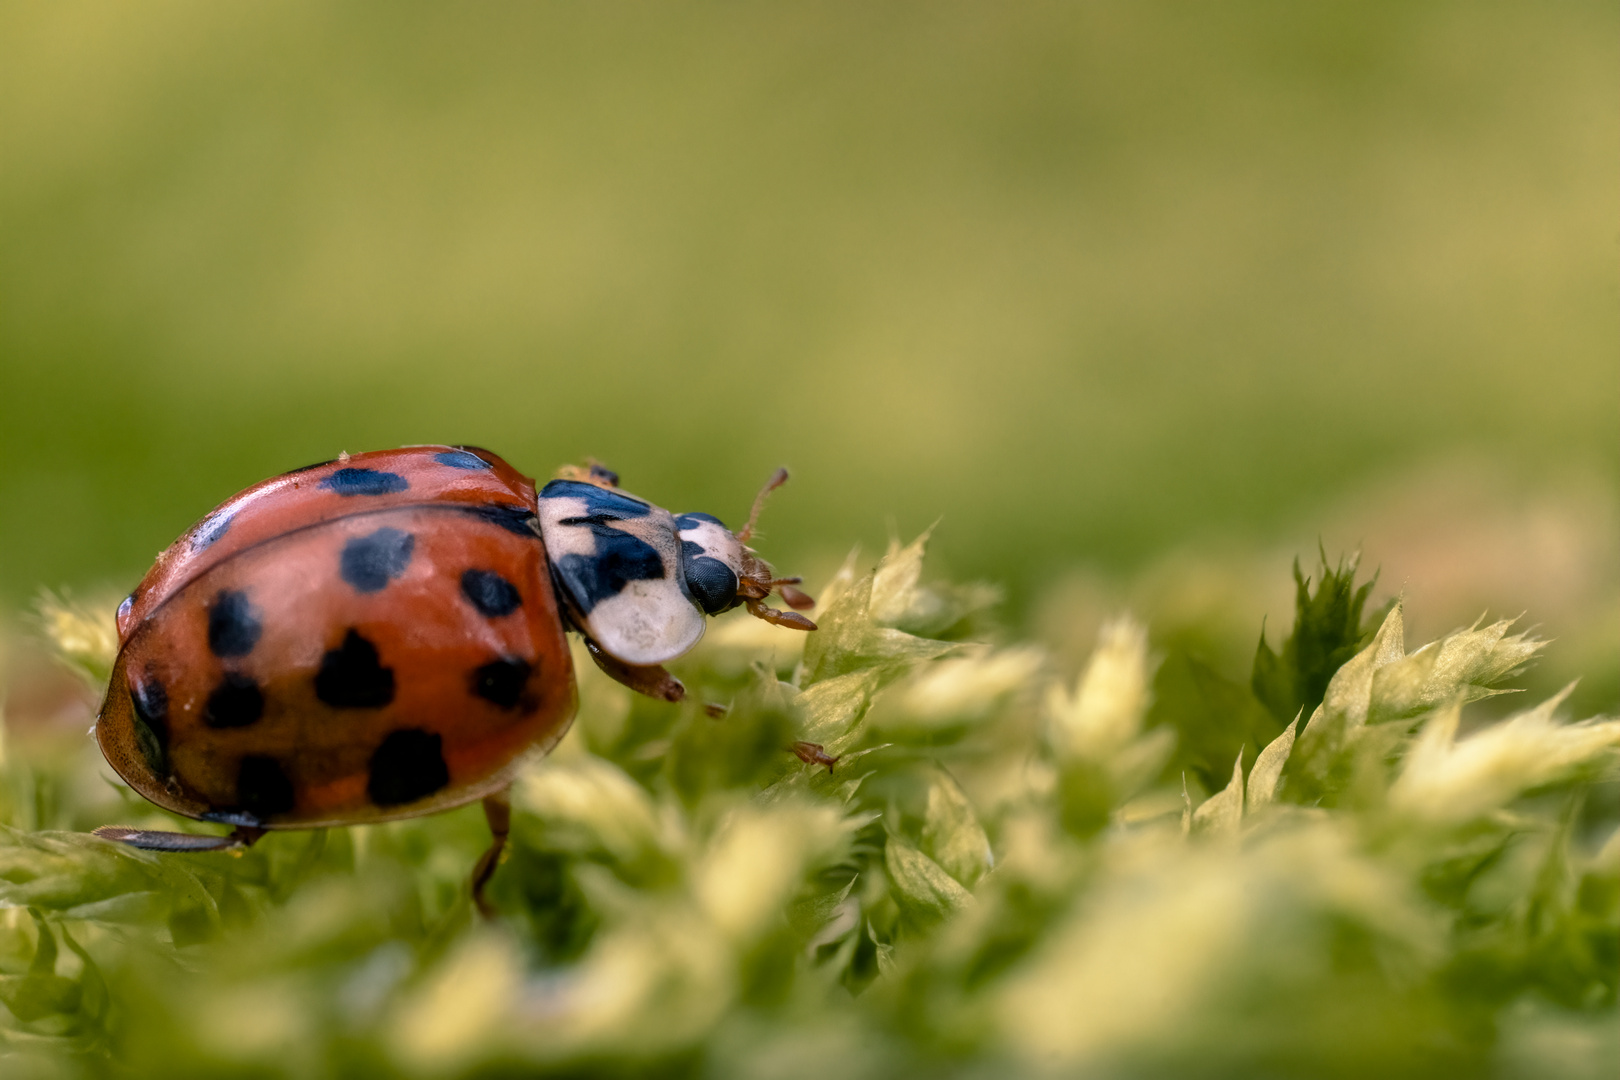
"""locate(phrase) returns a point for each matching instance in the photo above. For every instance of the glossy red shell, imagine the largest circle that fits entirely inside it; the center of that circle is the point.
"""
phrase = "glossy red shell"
(361, 640)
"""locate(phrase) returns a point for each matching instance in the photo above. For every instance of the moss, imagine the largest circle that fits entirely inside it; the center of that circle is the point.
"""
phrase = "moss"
(1004, 873)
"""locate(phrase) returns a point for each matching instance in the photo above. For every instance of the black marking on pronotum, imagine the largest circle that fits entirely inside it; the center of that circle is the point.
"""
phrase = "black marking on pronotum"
(688, 521)
(461, 459)
(150, 702)
(514, 519)
(236, 702)
(211, 529)
(352, 677)
(409, 765)
(503, 681)
(262, 787)
(599, 502)
(354, 481)
(233, 624)
(370, 562)
(620, 559)
(490, 593)
(709, 581)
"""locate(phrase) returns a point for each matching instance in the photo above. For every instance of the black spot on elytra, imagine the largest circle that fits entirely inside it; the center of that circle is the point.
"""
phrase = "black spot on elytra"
(461, 459)
(709, 581)
(409, 765)
(236, 702)
(370, 562)
(599, 502)
(514, 519)
(211, 529)
(502, 681)
(689, 521)
(150, 702)
(233, 624)
(490, 593)
(365, 482)
(351, 677)
(262, 787)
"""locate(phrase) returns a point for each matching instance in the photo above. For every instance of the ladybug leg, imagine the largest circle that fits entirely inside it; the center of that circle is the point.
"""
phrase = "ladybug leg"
(498, 812)
(652, 680)
(153, 840)
(245, 835)
(754, 586)
(790, 619)
(812, 753)
(796, 599)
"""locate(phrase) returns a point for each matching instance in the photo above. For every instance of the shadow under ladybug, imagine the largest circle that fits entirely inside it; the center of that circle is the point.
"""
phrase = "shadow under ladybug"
(382, 636)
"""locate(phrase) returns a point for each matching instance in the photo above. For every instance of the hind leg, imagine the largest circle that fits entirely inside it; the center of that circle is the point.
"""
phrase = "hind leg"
(498, 812)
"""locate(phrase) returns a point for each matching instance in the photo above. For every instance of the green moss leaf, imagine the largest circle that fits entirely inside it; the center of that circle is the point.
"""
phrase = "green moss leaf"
(1213, 717)
(1328, 630)
(926, 892)
(858, 623)
(952, 835)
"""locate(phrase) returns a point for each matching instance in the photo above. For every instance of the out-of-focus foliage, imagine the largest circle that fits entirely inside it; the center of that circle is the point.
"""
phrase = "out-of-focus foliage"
(84, 637)
(1005, 874)
(1092, 280)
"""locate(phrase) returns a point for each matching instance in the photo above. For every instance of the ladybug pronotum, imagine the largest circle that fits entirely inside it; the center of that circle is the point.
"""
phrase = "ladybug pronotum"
(382, 636)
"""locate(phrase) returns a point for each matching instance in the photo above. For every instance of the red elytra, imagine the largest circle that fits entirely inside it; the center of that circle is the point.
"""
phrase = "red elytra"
(370, 638)
(276, 552)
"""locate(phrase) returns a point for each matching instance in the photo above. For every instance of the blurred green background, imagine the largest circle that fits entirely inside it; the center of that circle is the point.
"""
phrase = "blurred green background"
(1142, 298)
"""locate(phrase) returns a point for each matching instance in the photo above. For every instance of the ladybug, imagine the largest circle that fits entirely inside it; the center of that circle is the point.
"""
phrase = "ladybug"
(382, 636)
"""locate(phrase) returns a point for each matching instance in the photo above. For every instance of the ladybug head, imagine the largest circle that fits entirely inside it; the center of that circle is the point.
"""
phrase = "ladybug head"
(711, 561)
(721, 571)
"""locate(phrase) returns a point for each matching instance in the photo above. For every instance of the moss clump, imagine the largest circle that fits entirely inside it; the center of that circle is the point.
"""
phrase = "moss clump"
(1006, 873)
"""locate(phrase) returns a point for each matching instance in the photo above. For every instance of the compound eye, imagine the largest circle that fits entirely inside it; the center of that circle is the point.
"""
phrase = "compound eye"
(710, 560)
(711, 582)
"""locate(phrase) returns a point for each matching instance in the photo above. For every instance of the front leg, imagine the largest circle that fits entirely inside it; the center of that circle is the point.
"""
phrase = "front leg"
(790, 619)
(651, 680)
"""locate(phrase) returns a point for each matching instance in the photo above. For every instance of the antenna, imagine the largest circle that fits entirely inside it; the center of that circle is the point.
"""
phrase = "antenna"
(778, 478)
